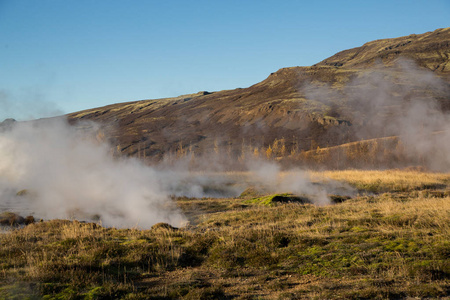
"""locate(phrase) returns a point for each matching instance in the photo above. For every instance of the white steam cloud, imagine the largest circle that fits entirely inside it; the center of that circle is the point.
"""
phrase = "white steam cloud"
(402, 100)
(69, 174)
(27, 104)
(295, 181)
(52, 170)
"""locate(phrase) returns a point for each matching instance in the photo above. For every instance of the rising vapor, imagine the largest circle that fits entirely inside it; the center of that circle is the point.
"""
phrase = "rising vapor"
(401, 100)
(68, 173)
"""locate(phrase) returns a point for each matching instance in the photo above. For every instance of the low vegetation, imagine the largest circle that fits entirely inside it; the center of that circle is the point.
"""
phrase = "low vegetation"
(391, 241)
(390, 180)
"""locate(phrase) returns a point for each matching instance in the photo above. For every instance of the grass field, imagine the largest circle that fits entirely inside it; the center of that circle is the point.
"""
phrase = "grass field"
(391, 241)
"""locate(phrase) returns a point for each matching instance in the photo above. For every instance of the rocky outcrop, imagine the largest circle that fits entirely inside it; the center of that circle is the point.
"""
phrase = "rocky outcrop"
(12, 219)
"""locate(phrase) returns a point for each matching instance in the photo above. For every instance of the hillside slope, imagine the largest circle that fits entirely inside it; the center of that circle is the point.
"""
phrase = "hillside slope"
(347, 97)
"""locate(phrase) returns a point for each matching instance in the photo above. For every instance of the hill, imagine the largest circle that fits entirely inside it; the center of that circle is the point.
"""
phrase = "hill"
(366, 92)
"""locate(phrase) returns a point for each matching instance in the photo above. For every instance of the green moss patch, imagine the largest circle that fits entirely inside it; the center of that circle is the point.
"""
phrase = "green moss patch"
(278, 198)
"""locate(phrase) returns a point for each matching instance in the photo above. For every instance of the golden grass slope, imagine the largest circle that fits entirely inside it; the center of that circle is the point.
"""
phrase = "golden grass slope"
(389, 180)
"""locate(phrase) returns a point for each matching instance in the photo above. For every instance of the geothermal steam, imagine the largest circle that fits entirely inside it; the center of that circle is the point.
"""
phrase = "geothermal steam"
(53, 170)
(401, 100)
(296, 181)
(69, 174)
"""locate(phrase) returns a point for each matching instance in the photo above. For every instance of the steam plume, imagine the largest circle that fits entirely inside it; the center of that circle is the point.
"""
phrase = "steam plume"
(68, 173)
(296, 181)
(402, 100)
(27, 104)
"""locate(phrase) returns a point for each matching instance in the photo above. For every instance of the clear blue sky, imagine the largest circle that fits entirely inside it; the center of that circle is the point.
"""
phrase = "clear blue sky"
(60, 56)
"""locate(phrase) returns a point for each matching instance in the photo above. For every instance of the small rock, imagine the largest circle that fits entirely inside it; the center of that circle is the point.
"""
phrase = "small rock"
(9, 218)
(29, 220)
(163, 225)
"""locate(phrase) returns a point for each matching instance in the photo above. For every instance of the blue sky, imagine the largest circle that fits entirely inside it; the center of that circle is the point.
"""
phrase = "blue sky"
(61, 56)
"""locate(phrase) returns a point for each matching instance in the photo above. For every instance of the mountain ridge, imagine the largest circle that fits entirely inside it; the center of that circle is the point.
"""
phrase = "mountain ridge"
(305, 106)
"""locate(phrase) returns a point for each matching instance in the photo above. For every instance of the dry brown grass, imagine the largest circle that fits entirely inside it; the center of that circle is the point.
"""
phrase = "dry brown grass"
(388, 180)
(390, 245)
